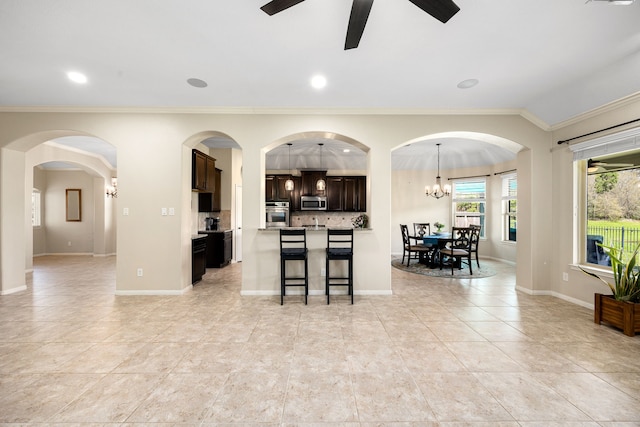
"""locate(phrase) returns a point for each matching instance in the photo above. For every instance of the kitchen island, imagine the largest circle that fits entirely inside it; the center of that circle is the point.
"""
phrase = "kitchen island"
(268, 264)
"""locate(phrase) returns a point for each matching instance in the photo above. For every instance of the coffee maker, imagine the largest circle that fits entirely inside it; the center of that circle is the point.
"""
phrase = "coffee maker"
(212, 224)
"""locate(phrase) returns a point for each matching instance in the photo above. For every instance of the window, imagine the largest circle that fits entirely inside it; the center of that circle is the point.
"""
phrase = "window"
(509, 207)
(469, 203)
(609, 212)
(36, 213)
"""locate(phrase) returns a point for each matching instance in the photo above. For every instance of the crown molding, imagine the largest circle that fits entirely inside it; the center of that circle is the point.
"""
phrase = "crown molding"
(613, 105)
(263, 110)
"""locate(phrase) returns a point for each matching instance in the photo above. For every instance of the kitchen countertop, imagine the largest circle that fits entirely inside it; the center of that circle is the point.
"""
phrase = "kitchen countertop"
(314, 228)
(212, 231)
(198, 236)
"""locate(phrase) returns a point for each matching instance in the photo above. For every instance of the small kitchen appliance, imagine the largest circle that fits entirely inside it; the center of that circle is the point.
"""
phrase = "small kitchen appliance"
(212, 224)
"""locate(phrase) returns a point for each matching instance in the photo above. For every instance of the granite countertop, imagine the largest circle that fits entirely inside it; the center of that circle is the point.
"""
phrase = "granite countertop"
(198, 236)
(314, 228)
(213, 231)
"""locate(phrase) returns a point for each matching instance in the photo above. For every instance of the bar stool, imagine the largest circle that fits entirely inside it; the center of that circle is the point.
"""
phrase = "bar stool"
(293, 247)
(339, 248)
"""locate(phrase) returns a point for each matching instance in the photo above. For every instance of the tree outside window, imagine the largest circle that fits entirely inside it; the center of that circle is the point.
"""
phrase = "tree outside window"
(469, 198)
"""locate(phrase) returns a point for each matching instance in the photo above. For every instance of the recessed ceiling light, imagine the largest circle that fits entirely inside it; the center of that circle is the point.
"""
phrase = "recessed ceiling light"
(77, 77)
(346, 150)
(318, 81)
(197, 82)
(466, 84)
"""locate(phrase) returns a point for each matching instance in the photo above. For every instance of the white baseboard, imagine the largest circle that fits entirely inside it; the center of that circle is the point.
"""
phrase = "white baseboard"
(14, 290)
(155, 292)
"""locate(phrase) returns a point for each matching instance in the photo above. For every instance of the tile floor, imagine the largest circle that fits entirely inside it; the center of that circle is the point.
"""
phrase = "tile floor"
(439, 352)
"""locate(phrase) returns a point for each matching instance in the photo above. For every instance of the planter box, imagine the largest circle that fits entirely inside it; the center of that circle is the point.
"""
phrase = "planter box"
(622, 315)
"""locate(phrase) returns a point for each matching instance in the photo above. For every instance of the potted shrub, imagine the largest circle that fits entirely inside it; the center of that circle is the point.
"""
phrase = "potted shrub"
(622, 308)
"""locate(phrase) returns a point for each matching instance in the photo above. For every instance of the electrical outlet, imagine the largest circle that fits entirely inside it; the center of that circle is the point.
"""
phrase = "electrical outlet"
(323, 272)
(172, 211)
(139, 272)
(125, 211)
(164, 211)
(565, 277)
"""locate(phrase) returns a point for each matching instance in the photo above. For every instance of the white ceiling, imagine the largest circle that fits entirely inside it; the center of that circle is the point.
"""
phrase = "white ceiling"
(553, 59)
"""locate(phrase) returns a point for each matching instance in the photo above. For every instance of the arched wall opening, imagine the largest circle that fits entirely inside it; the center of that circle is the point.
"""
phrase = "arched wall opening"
(466, 155)
(94, 235)
(332, 153)
(228, 154)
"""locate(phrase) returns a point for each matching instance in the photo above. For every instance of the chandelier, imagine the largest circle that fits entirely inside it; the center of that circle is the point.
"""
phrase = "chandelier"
(112, 190)
(438, 190)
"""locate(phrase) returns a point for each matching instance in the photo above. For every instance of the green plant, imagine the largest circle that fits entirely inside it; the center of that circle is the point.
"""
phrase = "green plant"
(438, 225)
(626, 274)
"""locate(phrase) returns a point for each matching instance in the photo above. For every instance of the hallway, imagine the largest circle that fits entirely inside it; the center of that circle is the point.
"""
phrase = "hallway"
(439, 352)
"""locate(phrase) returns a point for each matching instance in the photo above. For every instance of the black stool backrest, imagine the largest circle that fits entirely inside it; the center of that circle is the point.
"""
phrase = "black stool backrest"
(340, 238)
(293, 239)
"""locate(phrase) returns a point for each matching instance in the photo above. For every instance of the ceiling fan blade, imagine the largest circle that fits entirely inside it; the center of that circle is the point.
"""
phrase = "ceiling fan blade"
(357, 21)
(276, 6)
(442, 10)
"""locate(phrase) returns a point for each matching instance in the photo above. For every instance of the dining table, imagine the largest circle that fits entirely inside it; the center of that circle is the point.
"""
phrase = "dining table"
(438, 241)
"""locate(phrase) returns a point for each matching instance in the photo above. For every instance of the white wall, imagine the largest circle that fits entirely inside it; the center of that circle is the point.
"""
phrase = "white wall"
(154, 157)
(39, 233)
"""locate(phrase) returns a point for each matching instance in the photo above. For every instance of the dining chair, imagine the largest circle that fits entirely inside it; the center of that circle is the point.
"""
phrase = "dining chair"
(421, 229)
(459, 248)
(409, 249)
(476, 241)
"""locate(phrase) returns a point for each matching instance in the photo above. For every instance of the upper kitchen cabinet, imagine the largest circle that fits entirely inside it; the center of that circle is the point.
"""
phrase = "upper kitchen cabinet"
(355, 193)
(309, 179)
(335, 192)
(211, 202)
(275, 188)
(203, 170)
(347, 193)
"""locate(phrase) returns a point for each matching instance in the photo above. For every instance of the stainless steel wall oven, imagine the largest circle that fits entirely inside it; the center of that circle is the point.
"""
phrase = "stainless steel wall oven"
(277, 214)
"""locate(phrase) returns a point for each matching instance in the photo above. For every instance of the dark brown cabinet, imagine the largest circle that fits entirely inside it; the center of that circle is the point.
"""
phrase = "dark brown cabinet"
(203, 172)
(309, 179)
(347, 193)
(210, 202)
(355, 193)
(198, 258)
(335, 193)
(275, 188)
(219, 248)
(295, 194)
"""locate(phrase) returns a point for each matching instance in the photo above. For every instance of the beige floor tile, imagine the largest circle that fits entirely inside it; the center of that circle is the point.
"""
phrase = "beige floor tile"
(594, 396)
(460, 397)
(112, 399)
(436, 353)
(320, 397)
(390, 396)
(527, 399)
(180, 398)
(250, 397)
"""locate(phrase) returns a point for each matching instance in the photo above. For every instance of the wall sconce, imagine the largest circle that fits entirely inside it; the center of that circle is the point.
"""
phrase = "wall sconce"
(112, 191)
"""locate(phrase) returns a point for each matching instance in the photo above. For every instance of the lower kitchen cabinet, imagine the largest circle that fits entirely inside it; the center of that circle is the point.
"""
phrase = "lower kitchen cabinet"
(198, 258)
(219, 248)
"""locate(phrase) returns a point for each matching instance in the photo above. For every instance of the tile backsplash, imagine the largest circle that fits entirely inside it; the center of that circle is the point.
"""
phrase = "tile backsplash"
(328, 219)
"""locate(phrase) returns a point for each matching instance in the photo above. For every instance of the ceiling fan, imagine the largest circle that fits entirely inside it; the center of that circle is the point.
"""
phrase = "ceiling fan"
(594, 166)
(442, 10)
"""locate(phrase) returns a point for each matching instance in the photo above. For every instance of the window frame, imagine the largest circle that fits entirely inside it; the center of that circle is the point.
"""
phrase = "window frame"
(507, 213)
(36, 208)
(455, 199)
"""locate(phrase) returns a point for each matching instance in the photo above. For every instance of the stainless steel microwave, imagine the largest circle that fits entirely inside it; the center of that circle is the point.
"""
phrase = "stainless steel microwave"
(313, 203)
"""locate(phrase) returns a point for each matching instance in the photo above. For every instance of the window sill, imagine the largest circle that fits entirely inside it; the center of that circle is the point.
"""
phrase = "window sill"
(604, 272)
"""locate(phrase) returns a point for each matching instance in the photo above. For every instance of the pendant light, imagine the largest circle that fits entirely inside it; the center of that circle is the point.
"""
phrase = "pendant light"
(321, 184)
(288, 185)
(438, 191)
